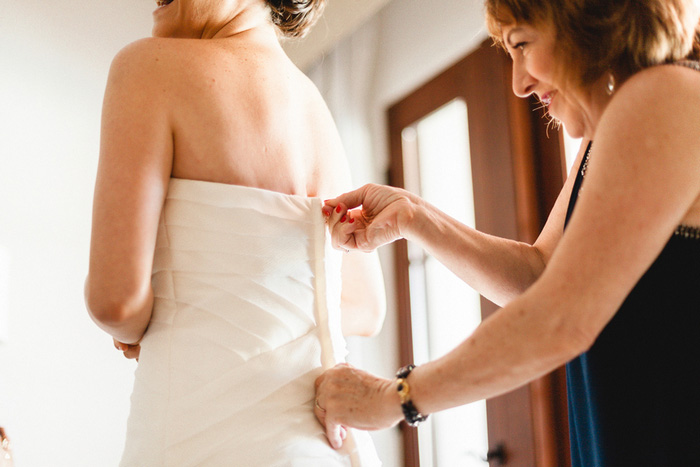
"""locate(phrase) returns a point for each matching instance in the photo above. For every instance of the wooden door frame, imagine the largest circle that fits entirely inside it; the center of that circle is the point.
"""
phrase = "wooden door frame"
(516, 169)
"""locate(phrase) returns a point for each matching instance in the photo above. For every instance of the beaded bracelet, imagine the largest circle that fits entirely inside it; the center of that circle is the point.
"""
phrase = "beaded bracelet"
(410, 413)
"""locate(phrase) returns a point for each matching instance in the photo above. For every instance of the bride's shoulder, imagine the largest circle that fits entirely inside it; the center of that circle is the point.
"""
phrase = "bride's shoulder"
(154, 63)
(175, 60)
(146, 54)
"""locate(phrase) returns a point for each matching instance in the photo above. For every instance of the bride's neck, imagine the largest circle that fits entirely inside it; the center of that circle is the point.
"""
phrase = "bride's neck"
(254, 16)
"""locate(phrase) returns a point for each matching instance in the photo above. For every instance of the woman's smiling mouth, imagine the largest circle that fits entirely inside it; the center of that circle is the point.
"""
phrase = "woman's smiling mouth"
(546, 99)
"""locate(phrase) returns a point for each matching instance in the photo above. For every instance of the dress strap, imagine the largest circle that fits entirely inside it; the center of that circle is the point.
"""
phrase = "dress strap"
(690, 232)
(580, 175)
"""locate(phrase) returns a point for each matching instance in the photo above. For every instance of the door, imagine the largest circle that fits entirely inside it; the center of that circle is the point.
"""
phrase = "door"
(468, 145)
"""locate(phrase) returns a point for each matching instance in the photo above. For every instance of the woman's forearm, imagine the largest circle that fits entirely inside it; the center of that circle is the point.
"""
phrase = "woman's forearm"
(528, 338)
(518, 344)
(497, 268)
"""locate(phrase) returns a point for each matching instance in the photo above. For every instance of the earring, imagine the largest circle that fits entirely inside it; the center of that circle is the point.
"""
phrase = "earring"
(610, 87)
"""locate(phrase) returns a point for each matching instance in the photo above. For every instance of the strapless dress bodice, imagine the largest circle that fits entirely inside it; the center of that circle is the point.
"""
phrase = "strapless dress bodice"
(246, 316)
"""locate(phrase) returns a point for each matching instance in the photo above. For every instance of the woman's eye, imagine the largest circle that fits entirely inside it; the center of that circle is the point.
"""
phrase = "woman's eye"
(519, 45)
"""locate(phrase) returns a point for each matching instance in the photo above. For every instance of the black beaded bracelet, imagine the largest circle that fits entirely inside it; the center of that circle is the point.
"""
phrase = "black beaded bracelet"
(410, 413)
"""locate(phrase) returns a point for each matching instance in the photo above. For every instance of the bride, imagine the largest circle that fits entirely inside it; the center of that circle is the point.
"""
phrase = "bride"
(209, 257)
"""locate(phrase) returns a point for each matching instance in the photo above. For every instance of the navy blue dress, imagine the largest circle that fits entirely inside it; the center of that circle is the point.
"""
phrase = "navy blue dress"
(633, 396)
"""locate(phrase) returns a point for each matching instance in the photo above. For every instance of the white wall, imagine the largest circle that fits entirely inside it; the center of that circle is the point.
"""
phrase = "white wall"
(340, 18)
(64, 390)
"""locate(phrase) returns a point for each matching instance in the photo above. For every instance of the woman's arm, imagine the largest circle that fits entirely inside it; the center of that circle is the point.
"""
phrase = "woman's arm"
(498, 268)
(643, 179)
(132, 180)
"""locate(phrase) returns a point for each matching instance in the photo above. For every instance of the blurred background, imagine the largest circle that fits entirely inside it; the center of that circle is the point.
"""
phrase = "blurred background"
(64, 390)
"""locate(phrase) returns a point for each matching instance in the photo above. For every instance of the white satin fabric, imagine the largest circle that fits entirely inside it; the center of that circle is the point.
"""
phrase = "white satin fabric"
(246, 316)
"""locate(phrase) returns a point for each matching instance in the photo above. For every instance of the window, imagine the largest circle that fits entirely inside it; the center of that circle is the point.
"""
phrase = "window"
(444, 309)
(467, 145)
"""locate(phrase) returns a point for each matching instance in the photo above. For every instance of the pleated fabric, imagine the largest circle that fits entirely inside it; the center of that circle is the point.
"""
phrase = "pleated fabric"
(246, 316)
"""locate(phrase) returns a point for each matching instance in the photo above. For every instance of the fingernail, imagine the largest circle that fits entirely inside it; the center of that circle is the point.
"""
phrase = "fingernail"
(338, 209)
(326, 213)
(352, 219)
(343, 433)
(342, 219)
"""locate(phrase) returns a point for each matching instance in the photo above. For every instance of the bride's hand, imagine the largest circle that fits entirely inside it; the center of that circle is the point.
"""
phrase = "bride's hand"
(384, 215)
(130, 351)
(348, 397)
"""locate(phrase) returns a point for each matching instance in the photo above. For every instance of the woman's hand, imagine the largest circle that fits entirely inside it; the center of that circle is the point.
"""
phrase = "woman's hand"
(130, 351)
(385, 215)
(5, 450)
(348, 397)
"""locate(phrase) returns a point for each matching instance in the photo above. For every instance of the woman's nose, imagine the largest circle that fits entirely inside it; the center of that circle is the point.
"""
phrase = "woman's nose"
(523, 82)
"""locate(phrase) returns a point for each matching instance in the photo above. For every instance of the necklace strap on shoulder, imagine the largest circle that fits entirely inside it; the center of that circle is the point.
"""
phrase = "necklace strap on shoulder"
(689, 64)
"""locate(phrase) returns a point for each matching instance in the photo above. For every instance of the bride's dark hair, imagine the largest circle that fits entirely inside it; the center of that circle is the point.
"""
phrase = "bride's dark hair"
(294, 18)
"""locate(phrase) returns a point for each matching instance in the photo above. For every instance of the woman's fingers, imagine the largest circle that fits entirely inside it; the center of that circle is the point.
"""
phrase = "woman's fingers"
(333, 434)
(342, 225)
(372, 225)
(351, 199)
(320, 412)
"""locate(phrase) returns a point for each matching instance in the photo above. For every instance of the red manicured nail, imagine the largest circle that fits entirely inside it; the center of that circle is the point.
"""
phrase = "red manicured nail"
(352, 219)
(343, 219)
(337, 209)
(326, 213)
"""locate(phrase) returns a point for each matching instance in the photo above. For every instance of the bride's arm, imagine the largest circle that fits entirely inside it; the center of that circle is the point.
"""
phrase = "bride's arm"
(363, 300)
(132, 179)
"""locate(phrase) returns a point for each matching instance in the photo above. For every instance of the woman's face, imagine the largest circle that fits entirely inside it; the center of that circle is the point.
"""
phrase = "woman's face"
(191, 18)
(534, 68)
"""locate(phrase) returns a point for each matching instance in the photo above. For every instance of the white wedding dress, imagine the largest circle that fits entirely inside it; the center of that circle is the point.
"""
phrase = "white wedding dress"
(246, 316)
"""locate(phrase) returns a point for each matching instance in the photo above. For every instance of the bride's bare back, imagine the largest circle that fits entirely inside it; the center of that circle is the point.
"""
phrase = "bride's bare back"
(243, 114)
(239, 112)
(228, 107)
